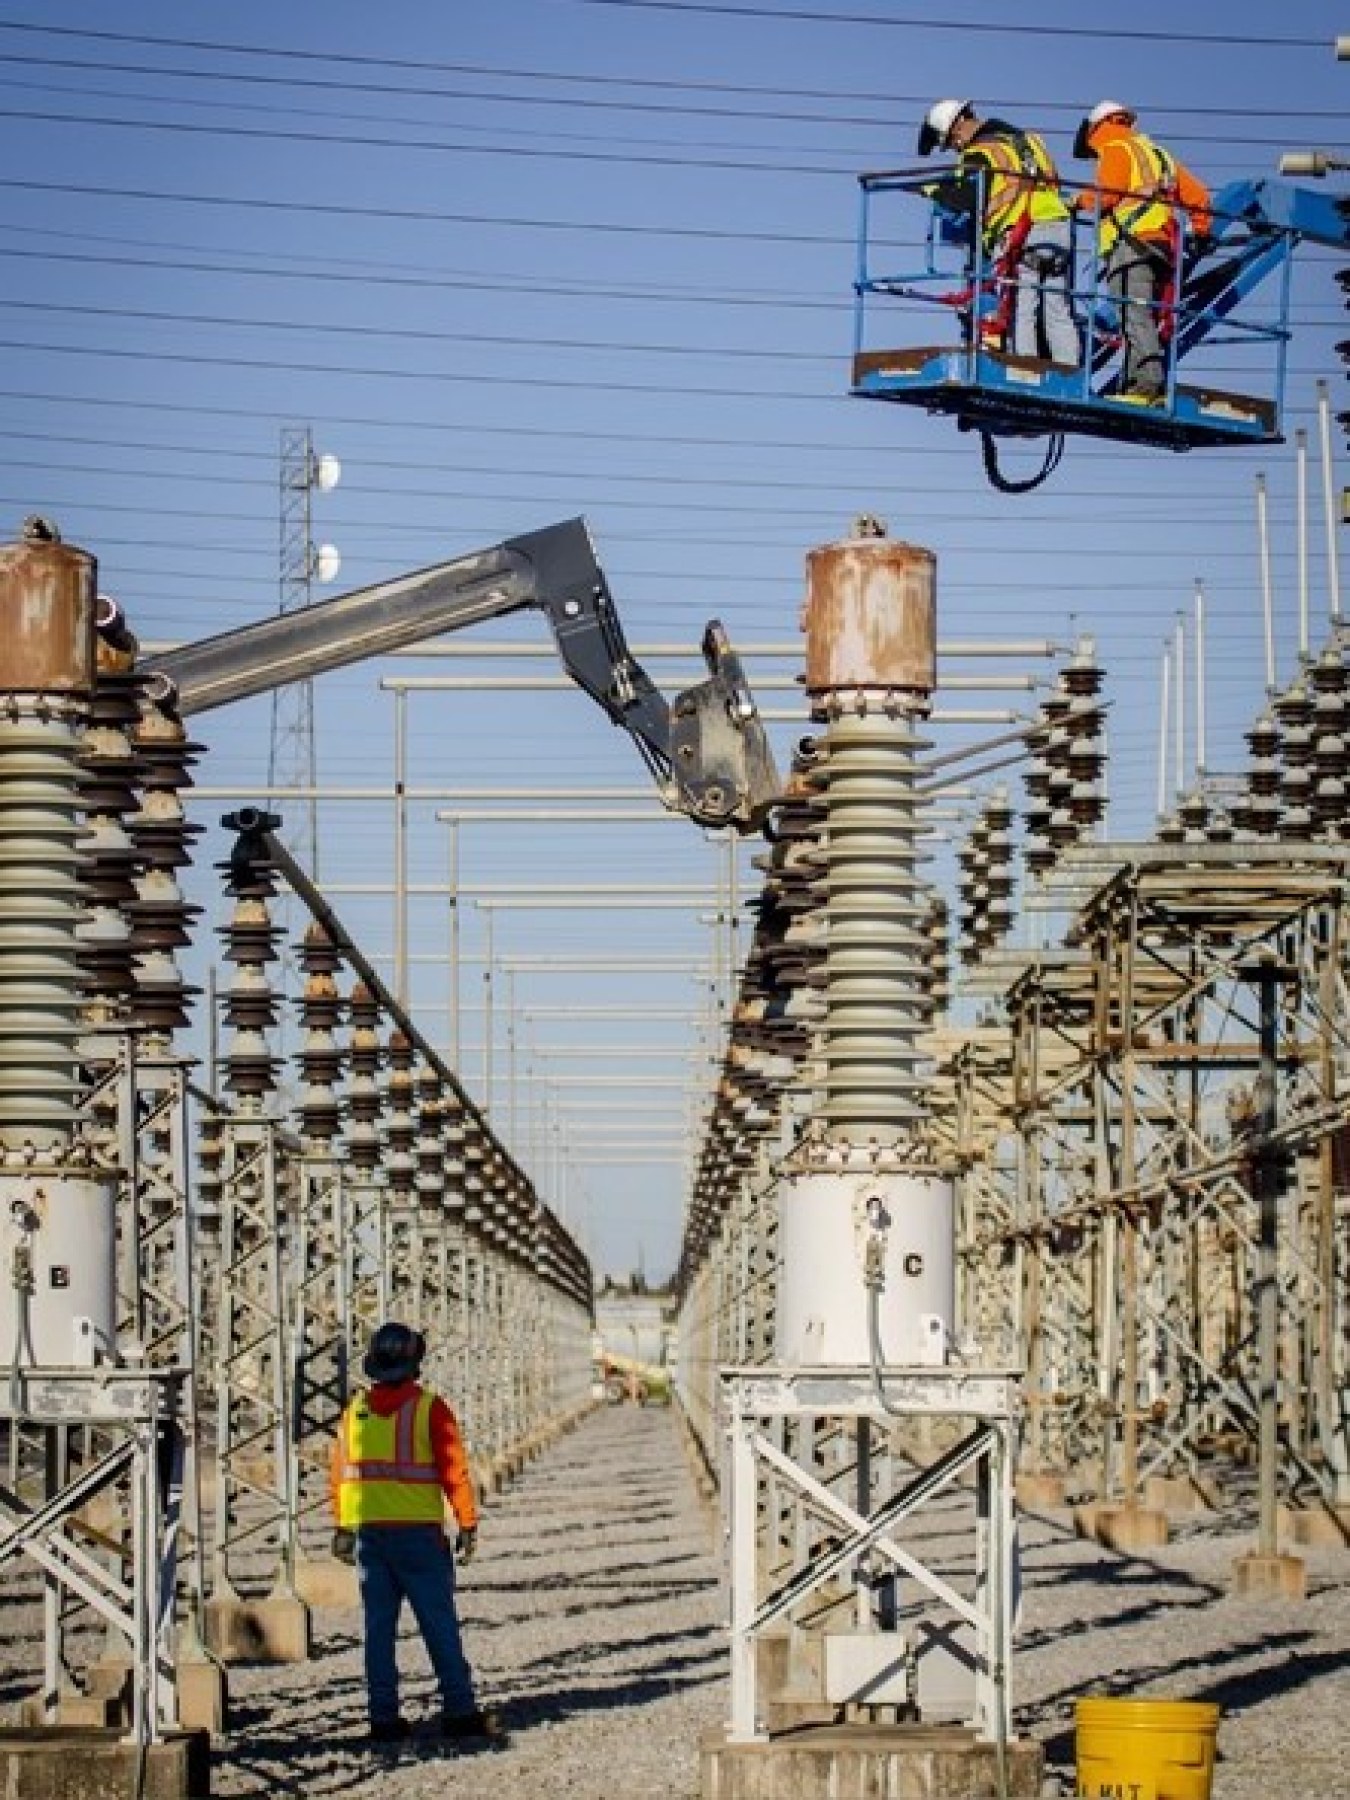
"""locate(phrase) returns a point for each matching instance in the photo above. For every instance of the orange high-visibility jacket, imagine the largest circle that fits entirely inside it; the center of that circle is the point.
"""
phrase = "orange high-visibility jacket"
(397, 1458)
(1141, 189)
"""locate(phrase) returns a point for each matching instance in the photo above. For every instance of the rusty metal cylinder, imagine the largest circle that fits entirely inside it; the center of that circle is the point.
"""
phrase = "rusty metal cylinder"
(870, 617)
(46, 680)
(47, 613)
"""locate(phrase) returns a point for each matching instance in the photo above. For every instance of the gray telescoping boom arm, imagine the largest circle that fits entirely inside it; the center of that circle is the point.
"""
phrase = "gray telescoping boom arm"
(707, 749)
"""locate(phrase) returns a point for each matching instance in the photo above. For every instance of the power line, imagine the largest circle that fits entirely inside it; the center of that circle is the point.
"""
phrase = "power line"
(416, 334)
(420, 66)
(833, 119)
(424, 215)
(358, 141)
(777, 14)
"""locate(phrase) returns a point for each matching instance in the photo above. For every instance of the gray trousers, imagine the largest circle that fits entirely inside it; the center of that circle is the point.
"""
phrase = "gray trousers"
(1134, 274)
(1041, 306)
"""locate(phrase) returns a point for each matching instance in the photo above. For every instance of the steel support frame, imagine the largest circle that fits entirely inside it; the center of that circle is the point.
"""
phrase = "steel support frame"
(1137, 1264)
(137, 1417)
(761, 1481)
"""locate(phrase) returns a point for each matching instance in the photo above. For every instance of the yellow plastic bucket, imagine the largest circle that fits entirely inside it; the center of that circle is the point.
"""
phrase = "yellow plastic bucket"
(1146, 1749)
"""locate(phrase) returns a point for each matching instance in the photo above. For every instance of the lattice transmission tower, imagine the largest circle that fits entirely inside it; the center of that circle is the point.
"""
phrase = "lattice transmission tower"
(292, 756)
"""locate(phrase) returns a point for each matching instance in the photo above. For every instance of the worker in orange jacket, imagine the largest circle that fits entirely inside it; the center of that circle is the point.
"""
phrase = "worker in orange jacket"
(1149, 208)
(398, 1459)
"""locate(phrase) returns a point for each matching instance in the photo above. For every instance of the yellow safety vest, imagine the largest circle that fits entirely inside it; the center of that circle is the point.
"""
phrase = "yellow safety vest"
(1022, 183)
(388, 1473)
(1147, 210)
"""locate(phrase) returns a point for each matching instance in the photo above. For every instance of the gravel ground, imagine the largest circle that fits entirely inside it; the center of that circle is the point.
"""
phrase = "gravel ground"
(1166, 1626)
(592, 1614)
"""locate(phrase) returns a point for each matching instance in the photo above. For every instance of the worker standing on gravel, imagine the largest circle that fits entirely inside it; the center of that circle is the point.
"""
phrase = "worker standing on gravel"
(397, 1461)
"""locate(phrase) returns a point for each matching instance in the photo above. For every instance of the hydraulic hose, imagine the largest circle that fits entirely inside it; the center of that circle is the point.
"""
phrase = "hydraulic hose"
(1004, 484)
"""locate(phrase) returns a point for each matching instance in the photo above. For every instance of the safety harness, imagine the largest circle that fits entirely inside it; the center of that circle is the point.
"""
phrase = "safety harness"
(1020, 169)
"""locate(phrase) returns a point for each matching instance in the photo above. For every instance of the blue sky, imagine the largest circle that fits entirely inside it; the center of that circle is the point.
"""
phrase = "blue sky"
(517, 262)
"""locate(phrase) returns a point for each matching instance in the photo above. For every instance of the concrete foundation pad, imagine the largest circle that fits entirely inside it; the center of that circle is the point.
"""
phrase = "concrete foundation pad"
(1179, 1494)
(61, 1763)
(1131, 1528)
(1320, 1526)
(203, 1695)
(274, 1630)
(1036, 1489)
(1270, 1577)
(327, 1582)
(1123, 1528)
(847, 1762)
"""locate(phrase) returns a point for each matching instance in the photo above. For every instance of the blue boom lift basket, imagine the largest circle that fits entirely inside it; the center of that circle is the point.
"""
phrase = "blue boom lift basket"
(1256, 226)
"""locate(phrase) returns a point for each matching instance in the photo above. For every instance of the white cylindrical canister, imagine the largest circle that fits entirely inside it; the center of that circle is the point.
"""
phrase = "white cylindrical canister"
(58, 1237)
(838, 1227)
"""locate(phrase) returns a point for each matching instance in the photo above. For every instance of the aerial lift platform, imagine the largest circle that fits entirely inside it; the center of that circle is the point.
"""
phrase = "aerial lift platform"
(1233, 296)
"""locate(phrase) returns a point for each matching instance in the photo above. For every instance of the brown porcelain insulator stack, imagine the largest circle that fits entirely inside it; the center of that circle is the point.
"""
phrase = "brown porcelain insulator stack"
(163, 918)
(999, 876)
(429, 1180)
(972, 888)
(112, 859)
(455, 1133)
(1260, 809)
(475, 1185)
(400, 1129)
(1331, 757)
(937, 966)
(1294, 711)
(365, 1098)
(251, 1007)
(321, 1012)
(1193, 817)
(1085, 756)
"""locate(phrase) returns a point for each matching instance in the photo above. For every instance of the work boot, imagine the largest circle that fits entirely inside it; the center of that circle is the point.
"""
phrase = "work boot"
(389, 1731)
(482, 1723)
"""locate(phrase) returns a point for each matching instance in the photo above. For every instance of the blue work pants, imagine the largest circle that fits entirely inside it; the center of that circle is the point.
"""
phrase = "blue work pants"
(413, 1563)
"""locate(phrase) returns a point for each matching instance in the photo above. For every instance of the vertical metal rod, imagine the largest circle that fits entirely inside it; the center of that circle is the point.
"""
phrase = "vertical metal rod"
(487, 913)
(1201, 755)
(1179, 640)
(1164, 721)
(511, 1062)
(1301, 533)
(1267, 594)
(401, 846)
(452, 983)
(212, 1029)
(1329, 503)
(733, 910)
(1267, 1181)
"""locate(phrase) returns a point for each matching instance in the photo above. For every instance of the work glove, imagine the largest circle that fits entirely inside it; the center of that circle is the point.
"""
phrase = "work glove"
(344, 1546)
(466, 1544)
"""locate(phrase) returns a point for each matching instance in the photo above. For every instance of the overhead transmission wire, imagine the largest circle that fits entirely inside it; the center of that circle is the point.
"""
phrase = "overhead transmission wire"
(420, 65)
(417, 527)
(514, 471)
(425, 215)
(833, 120)
(997, 28)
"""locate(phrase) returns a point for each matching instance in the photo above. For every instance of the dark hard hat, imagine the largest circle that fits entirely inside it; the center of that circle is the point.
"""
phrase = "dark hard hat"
(395, 1353)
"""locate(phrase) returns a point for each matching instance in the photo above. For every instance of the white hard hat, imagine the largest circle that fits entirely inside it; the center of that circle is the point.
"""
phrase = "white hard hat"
(1104, 109)
(936, 130)
(1107, 109)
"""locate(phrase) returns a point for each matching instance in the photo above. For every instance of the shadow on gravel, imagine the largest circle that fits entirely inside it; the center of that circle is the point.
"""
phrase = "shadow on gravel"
(674, 1675)
(578, 1655)
(1237, 1692)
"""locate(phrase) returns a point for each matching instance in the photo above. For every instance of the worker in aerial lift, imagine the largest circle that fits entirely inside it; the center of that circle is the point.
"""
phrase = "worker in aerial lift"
(1026, 229)
(1153, 216)
(397, 1461)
